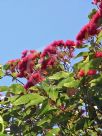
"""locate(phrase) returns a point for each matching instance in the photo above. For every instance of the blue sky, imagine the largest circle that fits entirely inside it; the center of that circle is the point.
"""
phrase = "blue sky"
(33, 24)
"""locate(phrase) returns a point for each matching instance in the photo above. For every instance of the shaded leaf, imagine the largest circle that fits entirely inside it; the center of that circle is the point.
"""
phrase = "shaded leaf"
(59, 75)
(53, 132)
(27, 98)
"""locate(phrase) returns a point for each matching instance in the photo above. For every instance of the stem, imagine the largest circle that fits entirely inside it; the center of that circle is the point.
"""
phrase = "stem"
(15, 78)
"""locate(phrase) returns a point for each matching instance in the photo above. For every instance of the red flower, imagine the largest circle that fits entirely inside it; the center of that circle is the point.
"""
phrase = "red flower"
(96, 1)
(98, 54)
(24, 53)
(91, 72)
(58, 43)
(95, 17)
(82, 34)
(90, 29)
(78, 43)
(81, 73)
(34, 79)
(69, 43)
(49, 62)
(48, 51)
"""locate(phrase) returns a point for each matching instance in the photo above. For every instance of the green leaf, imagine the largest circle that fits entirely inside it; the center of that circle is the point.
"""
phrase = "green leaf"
(1, 73)
(4, 88)
(59, 75)
(35, 102)
(6, 66)
(45, 108)
(17, 89)
(44, 86)
(1, 124)
(1, 134)
(53, 132)
(92, 13)
(80, 124)
(99, 37)
(53, 94)
(27, 98)
(43, 121)
(96, 81)
(61, 83)
(13, 98)
(34, 88)
(72, 84)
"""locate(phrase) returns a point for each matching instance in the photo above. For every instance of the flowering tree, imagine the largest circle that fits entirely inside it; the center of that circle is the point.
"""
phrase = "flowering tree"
(58, 98)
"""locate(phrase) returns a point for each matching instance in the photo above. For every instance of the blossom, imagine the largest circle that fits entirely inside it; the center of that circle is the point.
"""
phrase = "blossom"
(26, 63)
(81, 73)
(34, 79)
(69, 43)
(48, 51)
(24, 53)
(98, 54)
(91, 72)
(48, 62)
(78, 43)
(13, 64)
(91, 28)
(96, 1)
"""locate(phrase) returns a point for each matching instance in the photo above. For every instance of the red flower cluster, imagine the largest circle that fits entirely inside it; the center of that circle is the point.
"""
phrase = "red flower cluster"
(82, 73)
(91, 72)
(89, 29)
(53, 55)
(35, 78)
(69, 43)
(50, 62)
(52, 52)
(92, 28)
(98, 54)
(51, 49)
(96, 1)
(13, 65)
(26, 63)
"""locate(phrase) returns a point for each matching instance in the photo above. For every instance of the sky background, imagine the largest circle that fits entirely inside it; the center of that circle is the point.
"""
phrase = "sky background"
(33, 24)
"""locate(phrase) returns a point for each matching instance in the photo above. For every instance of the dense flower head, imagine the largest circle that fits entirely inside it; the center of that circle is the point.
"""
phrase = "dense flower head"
(24, 53)
(69, 43)
(91, 28)
(78, 43)
(52, 48)
(58, 43)
(91, 72)
(81, 73)
(48, 62)
(48, 51)
(81, 35)
(12, 61)
(100, 5)
(95, 18)
(57, 50)
(34, 79)
(96, 1)
(13, 64)
(26, 63)
(98, 54)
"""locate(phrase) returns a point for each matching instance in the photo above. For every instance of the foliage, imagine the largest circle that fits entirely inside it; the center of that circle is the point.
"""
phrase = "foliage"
(59, 98)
